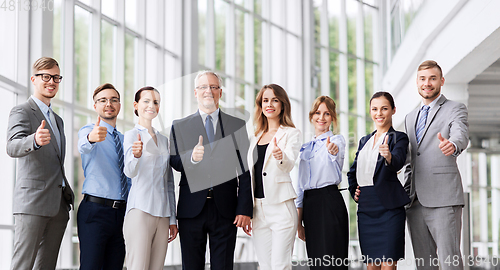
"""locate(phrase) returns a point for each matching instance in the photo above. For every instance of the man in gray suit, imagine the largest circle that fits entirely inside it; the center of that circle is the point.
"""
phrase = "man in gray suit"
(42, 195)
(438, 132)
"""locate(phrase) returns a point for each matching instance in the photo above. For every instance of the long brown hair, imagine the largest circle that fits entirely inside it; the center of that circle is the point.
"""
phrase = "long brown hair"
(260, 121)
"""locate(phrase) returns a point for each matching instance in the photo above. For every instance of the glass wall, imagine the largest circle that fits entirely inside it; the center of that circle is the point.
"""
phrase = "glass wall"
(345, 66)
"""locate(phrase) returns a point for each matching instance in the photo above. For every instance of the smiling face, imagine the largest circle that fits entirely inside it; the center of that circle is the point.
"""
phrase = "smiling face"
(381, 112)
(208, 93)
(107, 111)
(322, 119)
(45, 91)
(148, 105)
(429, 82)
(271, 105)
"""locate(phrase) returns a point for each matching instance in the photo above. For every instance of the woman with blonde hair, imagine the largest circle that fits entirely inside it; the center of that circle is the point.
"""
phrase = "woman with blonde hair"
(319, 203)
(272, 156)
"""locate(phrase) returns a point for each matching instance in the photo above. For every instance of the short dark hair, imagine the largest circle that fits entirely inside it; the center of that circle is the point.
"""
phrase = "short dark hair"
(104, 87)
(387, 95)
(139, 92)
(44, 63)
(430, 64)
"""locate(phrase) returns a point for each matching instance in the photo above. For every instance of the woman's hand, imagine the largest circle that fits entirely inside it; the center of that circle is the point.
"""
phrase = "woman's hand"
(356, 194)
(301, 232)
(332, 148)
(384, 151)
(277, 154)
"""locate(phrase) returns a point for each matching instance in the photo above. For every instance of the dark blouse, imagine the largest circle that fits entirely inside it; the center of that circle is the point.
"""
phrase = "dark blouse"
(261, 155)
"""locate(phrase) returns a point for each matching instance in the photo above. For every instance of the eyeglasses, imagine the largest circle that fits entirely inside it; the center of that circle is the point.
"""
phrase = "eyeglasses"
(205, 87)
(46, 77)
(104, 101)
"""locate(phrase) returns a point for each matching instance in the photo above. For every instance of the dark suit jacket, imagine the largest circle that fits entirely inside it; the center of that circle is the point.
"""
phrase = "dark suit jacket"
(385, 180)
(219, 168)
(40, 171)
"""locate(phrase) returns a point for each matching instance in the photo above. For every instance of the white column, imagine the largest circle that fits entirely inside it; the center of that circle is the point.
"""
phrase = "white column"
(495, 202)
(483, 204)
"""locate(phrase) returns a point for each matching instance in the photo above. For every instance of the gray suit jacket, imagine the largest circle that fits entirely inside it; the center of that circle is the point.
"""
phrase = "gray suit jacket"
(431, 176)
(40, 172)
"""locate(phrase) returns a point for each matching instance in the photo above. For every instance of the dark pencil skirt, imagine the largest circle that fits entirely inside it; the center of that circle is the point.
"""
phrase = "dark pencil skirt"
(327, 228)
(381, 231)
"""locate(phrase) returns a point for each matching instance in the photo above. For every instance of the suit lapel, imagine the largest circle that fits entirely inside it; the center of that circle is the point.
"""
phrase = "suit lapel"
(432, 114)
(39, 115)
(412, 120)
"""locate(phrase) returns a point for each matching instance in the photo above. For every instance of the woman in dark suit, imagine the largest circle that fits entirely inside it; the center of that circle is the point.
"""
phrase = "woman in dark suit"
(374, 185)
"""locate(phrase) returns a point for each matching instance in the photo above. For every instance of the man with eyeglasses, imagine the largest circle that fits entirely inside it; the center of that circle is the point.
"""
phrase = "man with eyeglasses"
(42, 195)
(209, 148)
(102, 210)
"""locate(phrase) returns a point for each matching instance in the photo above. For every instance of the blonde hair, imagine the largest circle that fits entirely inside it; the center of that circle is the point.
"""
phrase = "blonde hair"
(430, 64)
(261, 124)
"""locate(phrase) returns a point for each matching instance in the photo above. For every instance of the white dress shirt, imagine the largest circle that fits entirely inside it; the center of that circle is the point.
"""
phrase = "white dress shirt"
(152, 188)
(367, 161)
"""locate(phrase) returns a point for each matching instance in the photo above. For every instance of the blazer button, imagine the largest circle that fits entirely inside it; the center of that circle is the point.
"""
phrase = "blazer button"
(27, 150)
(264, 174)
(418, 153)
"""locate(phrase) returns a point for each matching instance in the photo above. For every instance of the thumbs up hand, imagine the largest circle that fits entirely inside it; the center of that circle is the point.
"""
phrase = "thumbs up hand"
(384, 151)
(42, 135)
(137, 147)
(446, 146)
(98, 134)
(332, 148)
(277, 154)
(198, 150)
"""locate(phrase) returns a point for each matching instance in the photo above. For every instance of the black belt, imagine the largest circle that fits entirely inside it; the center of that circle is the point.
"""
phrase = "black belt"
(111, 203)
(210, 194)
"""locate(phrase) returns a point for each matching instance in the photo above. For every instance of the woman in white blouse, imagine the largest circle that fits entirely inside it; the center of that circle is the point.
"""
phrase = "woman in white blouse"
(320, 205)
(150, 222)
(276, 145)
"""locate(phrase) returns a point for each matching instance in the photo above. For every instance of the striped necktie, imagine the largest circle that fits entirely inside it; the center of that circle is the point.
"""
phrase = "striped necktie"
(119, 151)
(422, 119)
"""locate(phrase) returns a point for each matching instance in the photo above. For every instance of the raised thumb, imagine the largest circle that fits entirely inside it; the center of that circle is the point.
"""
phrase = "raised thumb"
(440, 137)
(138, 137)
(98, 121)
(200, 140)
(42, 125)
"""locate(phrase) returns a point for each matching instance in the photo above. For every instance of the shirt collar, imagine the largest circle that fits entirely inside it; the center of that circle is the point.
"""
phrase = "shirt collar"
(141, 128)
(432, 103)
(215, 115)
(329, 133)
(43, 107)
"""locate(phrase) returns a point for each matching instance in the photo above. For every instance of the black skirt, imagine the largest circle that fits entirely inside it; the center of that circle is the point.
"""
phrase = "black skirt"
(326, 227)
(381, 231)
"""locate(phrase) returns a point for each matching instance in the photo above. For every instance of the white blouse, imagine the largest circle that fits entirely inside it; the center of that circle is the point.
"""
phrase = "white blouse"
(152, 188)
(367, 161)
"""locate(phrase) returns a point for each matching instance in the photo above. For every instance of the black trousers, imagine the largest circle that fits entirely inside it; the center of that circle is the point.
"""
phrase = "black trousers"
(327, 228)
(193, 237)
(100, 231)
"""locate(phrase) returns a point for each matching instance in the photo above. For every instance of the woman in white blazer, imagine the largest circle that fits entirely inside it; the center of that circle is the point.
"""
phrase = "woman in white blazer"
(272, 156)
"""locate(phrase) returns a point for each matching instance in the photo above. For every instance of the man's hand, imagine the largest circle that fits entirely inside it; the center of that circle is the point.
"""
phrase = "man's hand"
(172, 233)
(198, 150)
(245, 223)
(98, 134)
(137, 147)
(277, 154)
(332, 148)
(384, 151)
(42, 135)
(446, 146)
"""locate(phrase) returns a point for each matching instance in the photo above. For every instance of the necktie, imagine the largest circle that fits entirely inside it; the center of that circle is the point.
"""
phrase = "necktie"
(209, 128)
(119, 151)
(422, 119)
(55, 129)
